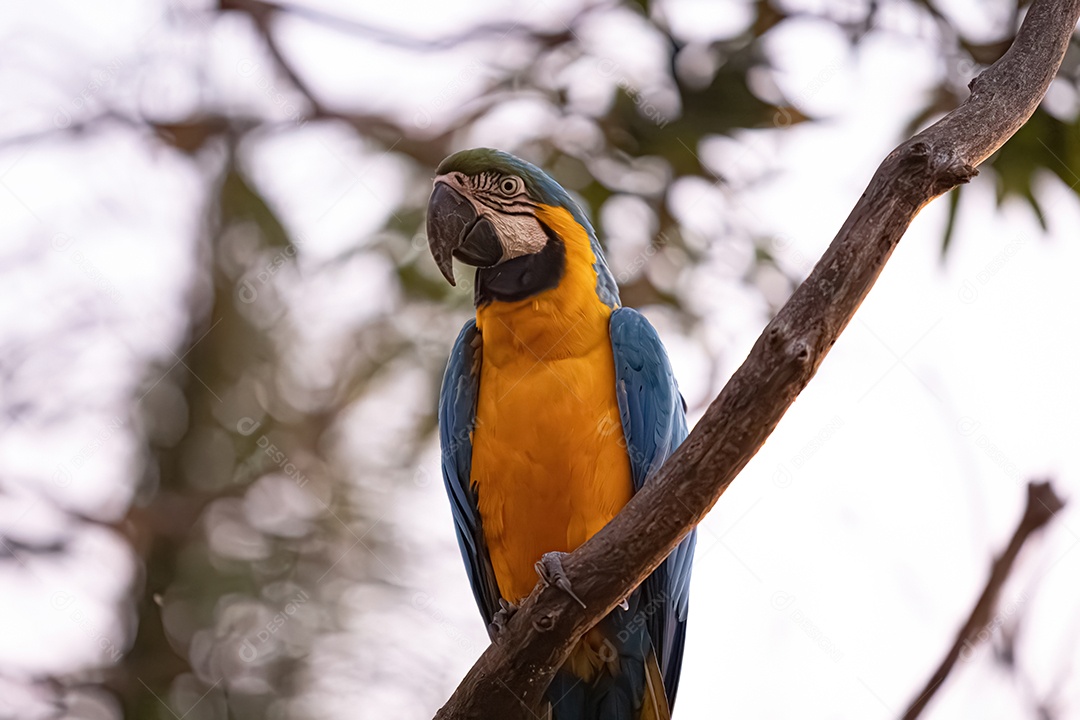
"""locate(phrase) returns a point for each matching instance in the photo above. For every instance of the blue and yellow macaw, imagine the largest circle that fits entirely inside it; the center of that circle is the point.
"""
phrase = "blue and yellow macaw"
(556, 407)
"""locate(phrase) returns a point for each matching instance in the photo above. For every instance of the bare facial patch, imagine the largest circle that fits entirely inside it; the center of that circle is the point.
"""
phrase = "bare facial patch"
(520, 234)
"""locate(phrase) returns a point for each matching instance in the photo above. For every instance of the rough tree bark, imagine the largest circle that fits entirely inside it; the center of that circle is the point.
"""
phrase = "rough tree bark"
(509, 679)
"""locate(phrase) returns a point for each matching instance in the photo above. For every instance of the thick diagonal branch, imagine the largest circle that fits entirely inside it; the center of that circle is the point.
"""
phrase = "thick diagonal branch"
(1042, 504)
(509, 679)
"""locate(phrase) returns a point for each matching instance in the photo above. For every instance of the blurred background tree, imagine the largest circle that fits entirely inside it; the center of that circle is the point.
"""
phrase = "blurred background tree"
(220, 408)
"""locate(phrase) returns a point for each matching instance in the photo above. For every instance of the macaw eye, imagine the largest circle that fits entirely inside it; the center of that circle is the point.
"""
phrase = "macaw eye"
(510, 185)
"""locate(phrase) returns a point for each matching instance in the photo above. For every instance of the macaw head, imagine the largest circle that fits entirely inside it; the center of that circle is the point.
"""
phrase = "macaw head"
(511, 221)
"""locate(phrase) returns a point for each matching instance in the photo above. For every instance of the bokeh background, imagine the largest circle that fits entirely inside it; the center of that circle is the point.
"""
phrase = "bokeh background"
(221, 338)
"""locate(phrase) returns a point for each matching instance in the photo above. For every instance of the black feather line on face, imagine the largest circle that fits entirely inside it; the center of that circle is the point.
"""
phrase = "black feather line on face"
(525, 276)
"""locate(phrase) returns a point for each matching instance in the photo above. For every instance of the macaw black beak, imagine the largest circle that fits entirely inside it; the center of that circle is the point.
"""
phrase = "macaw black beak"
(456, 231)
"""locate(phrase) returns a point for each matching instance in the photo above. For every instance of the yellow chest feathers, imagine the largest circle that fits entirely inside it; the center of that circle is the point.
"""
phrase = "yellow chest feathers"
(549, 459)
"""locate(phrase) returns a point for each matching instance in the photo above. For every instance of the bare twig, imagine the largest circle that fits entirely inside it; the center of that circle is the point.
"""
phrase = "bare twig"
(509, 679)
(1042, 504)
(488, 31)
(390, 132)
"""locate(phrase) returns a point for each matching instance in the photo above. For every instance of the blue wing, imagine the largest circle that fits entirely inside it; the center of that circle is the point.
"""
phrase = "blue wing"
(457, 417)
(654, 421)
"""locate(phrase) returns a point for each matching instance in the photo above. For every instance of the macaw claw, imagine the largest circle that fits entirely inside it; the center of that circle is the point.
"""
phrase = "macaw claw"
(549, 568)
(502, 616)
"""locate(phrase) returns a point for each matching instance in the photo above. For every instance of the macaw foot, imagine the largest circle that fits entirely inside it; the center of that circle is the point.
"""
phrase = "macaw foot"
(550, 570)
(502, 616)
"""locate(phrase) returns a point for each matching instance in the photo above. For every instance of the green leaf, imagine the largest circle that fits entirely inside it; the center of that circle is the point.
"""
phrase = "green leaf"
(240, 201)
(1044, 143)
(950, 224)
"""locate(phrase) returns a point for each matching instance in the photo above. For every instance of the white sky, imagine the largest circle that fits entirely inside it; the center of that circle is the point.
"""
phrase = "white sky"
(834, 573)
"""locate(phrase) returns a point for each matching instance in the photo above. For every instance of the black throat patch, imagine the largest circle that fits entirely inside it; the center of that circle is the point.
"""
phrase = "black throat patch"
(523, 277)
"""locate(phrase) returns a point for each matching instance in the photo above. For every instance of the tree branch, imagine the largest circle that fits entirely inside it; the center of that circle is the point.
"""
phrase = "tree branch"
(1042, 504)
(390, 132)
(491, 31)
(509, 679)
